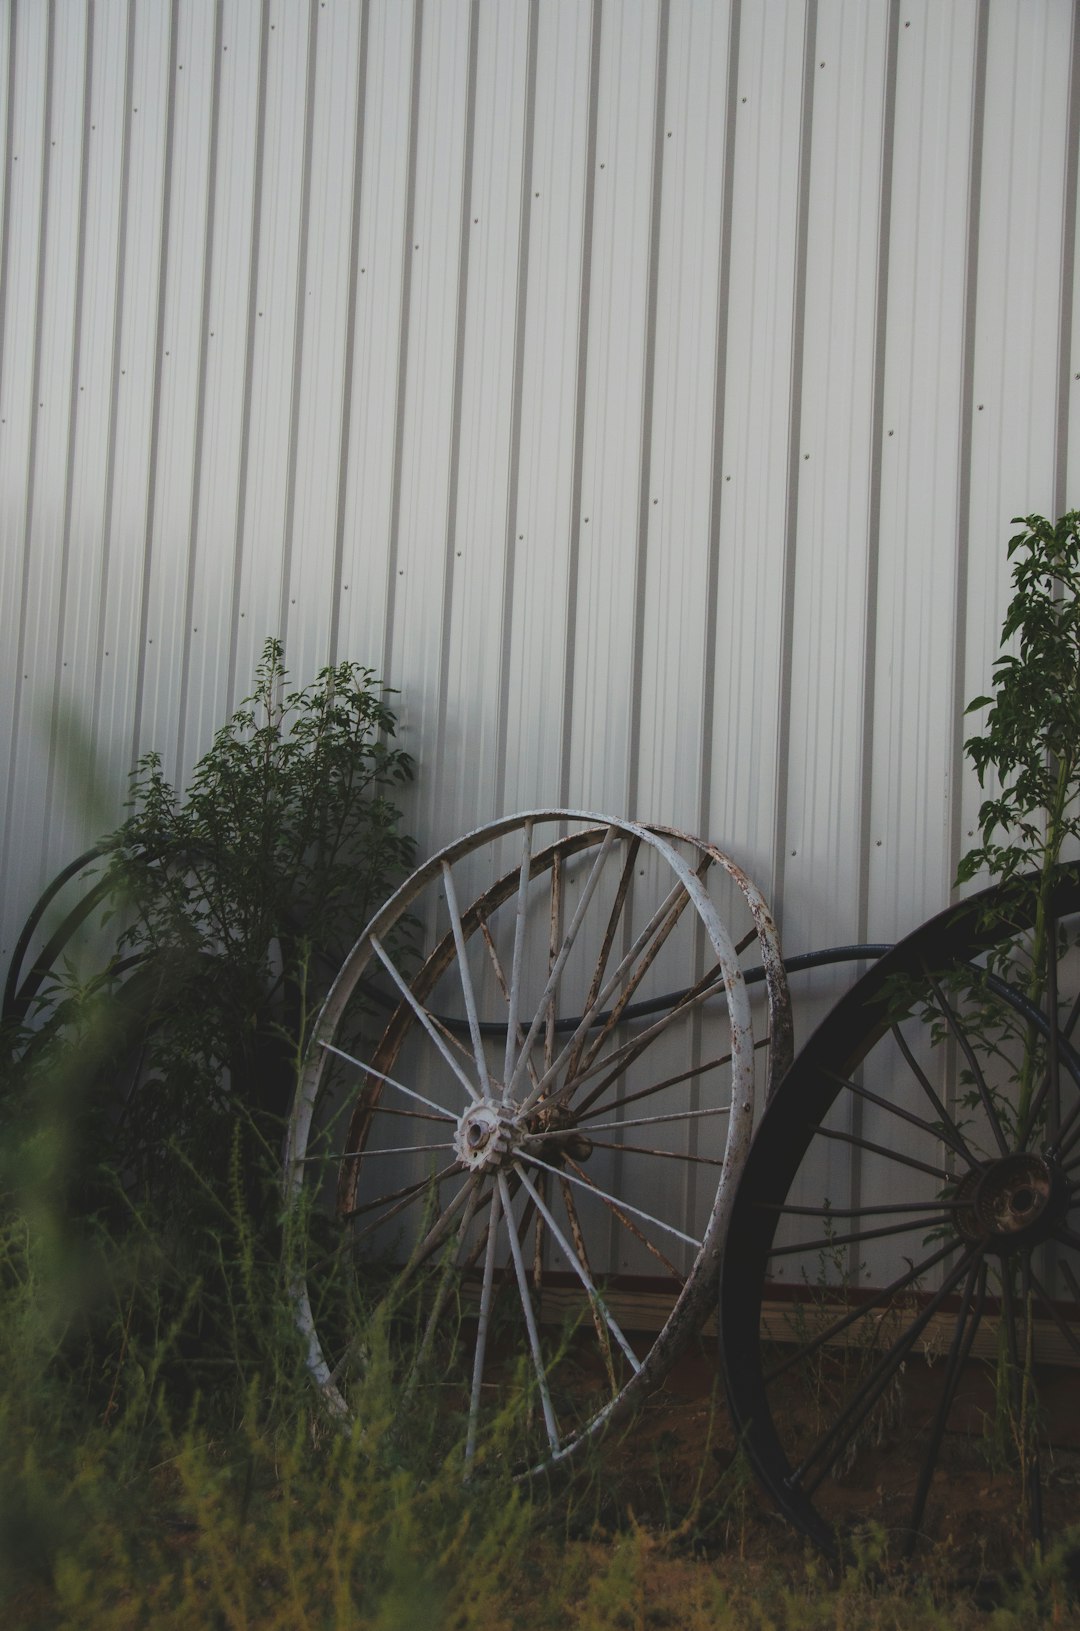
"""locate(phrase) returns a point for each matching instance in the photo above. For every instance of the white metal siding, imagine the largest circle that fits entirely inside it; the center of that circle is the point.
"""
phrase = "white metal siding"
(643, 387)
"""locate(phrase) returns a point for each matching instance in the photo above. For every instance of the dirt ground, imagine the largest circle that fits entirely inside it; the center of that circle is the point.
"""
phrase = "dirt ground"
(678, 1466)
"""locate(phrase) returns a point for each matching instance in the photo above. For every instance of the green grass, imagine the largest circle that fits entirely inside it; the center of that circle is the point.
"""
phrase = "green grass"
(164, 1463)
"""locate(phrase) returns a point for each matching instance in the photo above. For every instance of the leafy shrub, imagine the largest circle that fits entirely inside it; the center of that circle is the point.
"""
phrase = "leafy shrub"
(148, 1100)
(238, 904)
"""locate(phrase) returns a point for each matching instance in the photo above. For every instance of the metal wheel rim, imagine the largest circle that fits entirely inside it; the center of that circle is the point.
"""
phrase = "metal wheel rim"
(599, 843)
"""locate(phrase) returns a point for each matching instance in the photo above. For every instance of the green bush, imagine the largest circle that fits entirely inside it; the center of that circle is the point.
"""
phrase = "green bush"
(233, 907)
(142, 1107)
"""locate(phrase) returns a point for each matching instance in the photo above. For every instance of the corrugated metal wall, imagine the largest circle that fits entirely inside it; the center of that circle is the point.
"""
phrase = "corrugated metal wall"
(644, 387)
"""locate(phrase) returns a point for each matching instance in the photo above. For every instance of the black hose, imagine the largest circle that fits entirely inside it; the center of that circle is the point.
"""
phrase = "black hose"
(654, 1005)
(18, 997)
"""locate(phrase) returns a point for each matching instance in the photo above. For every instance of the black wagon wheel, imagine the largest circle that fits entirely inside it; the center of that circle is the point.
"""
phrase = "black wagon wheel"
(899, 1315)
(530, 1158)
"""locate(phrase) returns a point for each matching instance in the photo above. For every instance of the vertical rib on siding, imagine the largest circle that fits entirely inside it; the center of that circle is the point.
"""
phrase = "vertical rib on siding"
(25, 401)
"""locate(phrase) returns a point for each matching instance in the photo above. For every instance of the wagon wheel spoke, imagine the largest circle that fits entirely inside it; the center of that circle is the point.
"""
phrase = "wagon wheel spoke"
(443, 1289)
(948, 1128)
(859, 1236)
(403, 1197)
(829, 1211)
(587, 1108)
(962, 1040)
(647, 946)
(486, 1246)
(1068, 1133)
(622, 1217)
(440, 1112)
(518, 953)
(1071, 1281)
(555, 918)
(615, 1206)
(967, 1323)
(436, 1237)
(1071, 1337)
(582, 1256)
(826, 1449)
(947, 1131)
(547, 995)
(619, 1060)
(425, 1019)
(639, 960)
(370, 1155)
(483, 1322)
(612, 1066)
(608, 940)
(527, 1309)
(576, 1049)
(868, 1145)
(467, 992)
(665, 1155)
(504, 987)
(862, 1310)
(628, 976)
(648, 1121)
(581, 1270)
(538, 1253)
(412, 1115)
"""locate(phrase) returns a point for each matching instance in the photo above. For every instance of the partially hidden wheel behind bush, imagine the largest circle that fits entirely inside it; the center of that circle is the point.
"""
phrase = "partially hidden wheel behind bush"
(521, 1112)
(899, 1312)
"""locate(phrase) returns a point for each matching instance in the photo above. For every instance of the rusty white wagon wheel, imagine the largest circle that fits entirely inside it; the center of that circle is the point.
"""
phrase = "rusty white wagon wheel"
(900, 1325)
(533, 1154)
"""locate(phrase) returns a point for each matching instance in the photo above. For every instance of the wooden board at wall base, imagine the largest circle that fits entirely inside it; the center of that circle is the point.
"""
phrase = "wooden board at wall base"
(646, 1310)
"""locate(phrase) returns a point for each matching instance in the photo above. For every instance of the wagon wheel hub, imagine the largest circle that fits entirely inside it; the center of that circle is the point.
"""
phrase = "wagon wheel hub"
(1015, 1201)
(554, 1134)
(486, 1136)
